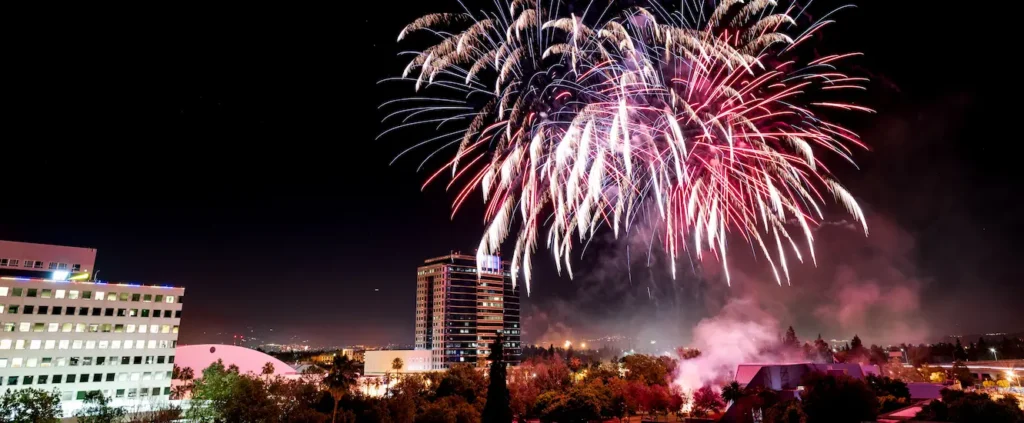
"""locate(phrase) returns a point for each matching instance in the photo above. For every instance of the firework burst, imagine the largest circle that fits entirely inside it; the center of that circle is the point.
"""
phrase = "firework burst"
(568, 124)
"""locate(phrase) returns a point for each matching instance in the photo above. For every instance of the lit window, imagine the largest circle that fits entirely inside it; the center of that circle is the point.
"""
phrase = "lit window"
(67, 327)
(63, 344)
(17, 362)
(59, 293)
(104, 344)
(76, 344)
(100, 295)
(122, 377)
(49, 344)
(89, 345)
(13, 263)
(32, 362)
(151, 344)
(165, 329)
(154, 328)
(53, 327)
(135, 377)
(94, 327)
(3, 363)
(131, 329)
(53, 265)
(128, 344)
(5, 344)
(3, 291)
(47, 293)
(115, 345)
(72, 295)
(35, 344)
(169, 299)
(143, 328)
(24, 327)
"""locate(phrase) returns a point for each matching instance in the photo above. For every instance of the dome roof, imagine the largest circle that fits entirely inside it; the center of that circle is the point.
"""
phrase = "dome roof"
(199, 357)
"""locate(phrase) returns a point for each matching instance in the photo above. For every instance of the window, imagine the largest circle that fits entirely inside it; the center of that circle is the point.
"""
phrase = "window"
(13, 263)
(128, 344)
(12, 309)
(119, 393)
(72, 295)
(135, 377)
(57, 378)
(47, 293)
(12, 380)
(53, 265)
(5, 344)
(154, 328)
(57, 310)
(52, 327)
(3, 291)
(100, 296)
(108, 312)
(76, 361)
(143, 328)
(100, 360)
(86, 361)
(32, 362)
(147, 376)
(94, 327)
(103, 344)
(133, 312)
(29, 309)
(62, 362)
(63, 344)
(149, 359)
(39, 327)
(49, 344)
(76, 267)
(17, 292)
(27, 380)
(167, 390)
(110, 377)
(59, 293)
(87, 295)
(97, 377)
(132, 392)
(124, 296)
(24, 326)
(148, 298)
(17, 362)
(3, 262)
(130, 329)
(167, 313)
(83, 311)
(81, 394)
(70, 311)
(137, 360)
(43, 310)
(33, 292)
(105, 328)
(174, 329)
(151, 344)
(90, 344)
(159, 298)
(3, 363)
(76, 344)
(156, 313)
(145, 313)
(115, 345)
(62, 266)
(96, 311)
(121, 312)
(126, 360)
(118, 328)
(136, 297)
(160, 360)
(71, 378)
(177, 314)
(67, 327)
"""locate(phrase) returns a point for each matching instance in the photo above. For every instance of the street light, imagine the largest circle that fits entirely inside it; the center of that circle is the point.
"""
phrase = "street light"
(994, 355)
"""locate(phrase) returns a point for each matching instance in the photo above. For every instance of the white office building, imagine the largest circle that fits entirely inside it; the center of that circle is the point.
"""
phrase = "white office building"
(61, 331)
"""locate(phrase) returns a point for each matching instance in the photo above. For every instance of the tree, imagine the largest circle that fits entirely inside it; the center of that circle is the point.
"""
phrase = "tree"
(884, 385)
(397, 364)
(785, 412)
(706, 401)
(498, 408)
(732, 392)
(650, 369)
(855, 343)
(96, 409)
(790, 340)
(30, 406)
(268, 370)
(342, 374)
(960, 406)
(823, 349)
(837, 398)
(462, 380)
(962, 374)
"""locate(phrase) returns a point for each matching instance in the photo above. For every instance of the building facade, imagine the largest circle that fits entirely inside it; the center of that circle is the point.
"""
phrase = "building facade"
(459, 312)
(77, 336)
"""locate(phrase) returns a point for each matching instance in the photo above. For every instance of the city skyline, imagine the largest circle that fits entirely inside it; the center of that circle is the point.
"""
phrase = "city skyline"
(249, 181)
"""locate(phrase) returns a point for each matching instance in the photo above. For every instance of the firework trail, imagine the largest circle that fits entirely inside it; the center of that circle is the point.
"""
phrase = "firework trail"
(570, 123)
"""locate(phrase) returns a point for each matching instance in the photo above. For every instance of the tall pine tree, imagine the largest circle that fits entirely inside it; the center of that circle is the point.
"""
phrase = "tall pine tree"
(498, 408)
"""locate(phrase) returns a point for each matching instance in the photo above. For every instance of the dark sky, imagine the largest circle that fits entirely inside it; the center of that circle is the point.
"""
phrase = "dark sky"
(232, 152)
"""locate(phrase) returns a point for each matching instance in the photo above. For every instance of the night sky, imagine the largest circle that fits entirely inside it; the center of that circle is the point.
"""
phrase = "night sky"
(232, 152)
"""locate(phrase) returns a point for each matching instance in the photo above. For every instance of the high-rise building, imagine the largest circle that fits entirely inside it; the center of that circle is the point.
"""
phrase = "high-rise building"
(459, 312)
(62, 331)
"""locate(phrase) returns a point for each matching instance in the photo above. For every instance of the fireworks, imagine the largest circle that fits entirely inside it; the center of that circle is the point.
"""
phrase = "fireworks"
(703, 122)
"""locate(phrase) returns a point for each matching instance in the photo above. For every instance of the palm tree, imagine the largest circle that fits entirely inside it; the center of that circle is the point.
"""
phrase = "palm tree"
(732, 392)
(342, 374)
(268, 370)
(397, 364)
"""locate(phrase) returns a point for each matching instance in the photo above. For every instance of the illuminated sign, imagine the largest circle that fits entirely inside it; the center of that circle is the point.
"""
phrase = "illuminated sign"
(60, 275)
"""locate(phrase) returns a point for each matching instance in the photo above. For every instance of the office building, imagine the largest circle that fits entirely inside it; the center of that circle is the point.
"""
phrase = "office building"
(459, 312)
(61, 331)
